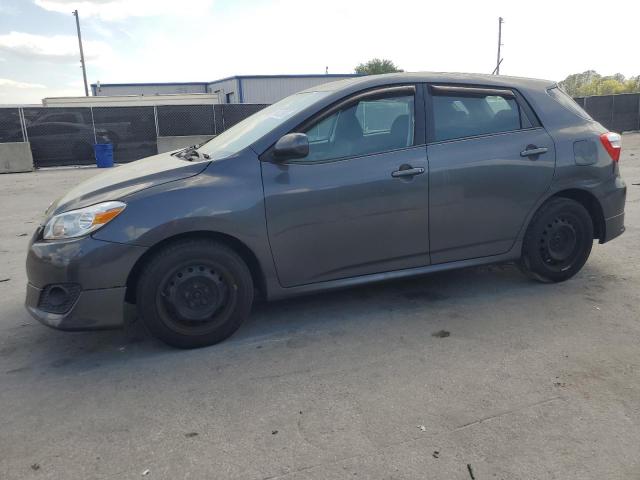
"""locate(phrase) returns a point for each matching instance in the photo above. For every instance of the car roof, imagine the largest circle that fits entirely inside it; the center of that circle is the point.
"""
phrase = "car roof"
(435, 77)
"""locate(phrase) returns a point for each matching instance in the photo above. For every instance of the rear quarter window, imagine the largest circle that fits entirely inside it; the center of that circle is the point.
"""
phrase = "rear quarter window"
(567, 102)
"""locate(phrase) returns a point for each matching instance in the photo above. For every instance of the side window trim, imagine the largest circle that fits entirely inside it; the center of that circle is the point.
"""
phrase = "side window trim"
(462, 91)
(525, 110)
(374, 94)
(419, 134)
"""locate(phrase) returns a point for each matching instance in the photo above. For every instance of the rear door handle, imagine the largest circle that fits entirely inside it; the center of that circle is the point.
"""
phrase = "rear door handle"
(533, 151)
(407, 172)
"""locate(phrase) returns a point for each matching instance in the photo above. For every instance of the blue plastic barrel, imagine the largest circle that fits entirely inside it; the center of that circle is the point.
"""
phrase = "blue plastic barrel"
(104, 155)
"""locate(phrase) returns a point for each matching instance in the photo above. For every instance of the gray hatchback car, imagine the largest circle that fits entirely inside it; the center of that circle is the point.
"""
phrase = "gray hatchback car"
(347, 183)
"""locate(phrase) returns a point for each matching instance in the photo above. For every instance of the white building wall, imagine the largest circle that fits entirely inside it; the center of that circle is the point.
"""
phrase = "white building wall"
(228, 86)
(131, 100)
(249, 89)
(146, 89)
(270, 90)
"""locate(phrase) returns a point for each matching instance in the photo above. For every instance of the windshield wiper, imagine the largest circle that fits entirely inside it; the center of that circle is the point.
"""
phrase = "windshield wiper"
(191, 153)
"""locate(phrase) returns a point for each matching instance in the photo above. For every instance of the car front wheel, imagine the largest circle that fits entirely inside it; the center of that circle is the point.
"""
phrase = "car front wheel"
(194, 293)
(558, 241)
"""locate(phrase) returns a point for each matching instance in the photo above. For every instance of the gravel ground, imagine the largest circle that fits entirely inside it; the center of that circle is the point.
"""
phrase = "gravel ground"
(477, 373)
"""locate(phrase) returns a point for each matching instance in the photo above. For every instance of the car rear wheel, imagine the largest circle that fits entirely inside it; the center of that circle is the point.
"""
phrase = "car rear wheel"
(558, 241)
(194, 293)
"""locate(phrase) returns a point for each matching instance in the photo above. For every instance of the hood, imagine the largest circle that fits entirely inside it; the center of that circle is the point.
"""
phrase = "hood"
(118, 182)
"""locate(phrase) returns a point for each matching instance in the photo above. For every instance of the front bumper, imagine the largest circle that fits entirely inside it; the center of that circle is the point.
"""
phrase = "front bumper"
(98, 270)
(92, 310)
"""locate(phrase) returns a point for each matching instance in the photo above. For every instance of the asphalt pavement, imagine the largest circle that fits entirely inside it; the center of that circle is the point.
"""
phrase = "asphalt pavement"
(471, 374)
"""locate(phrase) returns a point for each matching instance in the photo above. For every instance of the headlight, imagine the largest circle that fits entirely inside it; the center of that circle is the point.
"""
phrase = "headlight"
(76, 223)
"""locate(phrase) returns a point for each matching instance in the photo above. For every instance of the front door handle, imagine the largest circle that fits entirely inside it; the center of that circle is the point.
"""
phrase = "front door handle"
(533, 150)
(407, 172)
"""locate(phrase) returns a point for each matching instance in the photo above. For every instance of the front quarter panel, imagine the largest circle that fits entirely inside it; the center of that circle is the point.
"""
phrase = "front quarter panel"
(226, 198)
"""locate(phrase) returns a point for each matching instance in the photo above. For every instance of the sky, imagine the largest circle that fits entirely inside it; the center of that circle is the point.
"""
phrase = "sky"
(202, 40)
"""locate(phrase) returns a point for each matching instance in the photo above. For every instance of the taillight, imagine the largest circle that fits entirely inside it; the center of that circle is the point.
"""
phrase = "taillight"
(612, 143)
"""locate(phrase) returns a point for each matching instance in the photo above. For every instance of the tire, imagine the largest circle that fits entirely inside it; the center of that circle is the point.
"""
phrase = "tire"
(194, 293)
(558, 241)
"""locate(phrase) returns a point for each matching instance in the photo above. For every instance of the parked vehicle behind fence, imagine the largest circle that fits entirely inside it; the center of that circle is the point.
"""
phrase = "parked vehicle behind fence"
(350, 182)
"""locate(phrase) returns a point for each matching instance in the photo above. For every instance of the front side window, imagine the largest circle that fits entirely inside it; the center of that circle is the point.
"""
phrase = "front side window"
(369, 126)
(467, 115)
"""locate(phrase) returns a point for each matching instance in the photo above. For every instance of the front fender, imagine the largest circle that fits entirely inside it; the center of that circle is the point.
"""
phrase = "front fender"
(226, 198)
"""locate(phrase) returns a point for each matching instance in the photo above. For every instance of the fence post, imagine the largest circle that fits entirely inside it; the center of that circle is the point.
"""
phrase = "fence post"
(613, 107)
(155, 116)
(23, 124)
(93, 124)
(213, 107)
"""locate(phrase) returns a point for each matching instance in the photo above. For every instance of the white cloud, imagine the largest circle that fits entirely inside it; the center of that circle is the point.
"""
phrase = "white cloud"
(8, 83)
(121, 9)
(296, 36)
(8, 10)
(56, 48)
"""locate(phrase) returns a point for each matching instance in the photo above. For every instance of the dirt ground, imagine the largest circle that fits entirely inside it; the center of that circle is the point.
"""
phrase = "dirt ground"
(478, 373)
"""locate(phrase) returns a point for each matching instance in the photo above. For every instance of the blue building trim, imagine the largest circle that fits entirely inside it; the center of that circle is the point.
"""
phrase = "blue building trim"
(240, 95)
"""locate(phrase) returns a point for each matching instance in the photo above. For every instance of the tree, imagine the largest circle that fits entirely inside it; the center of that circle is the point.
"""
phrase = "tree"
(592, 83)
(377, 66)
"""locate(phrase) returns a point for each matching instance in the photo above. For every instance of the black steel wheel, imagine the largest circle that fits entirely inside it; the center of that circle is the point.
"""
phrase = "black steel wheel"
(558, 241)
(194, 293)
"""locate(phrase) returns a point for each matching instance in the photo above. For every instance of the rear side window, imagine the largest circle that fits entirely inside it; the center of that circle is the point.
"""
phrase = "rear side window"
(467, 114)
(564, 99)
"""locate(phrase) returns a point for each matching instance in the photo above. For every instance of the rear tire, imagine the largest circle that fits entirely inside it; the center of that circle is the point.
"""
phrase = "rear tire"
(194, 293)
(558, 241)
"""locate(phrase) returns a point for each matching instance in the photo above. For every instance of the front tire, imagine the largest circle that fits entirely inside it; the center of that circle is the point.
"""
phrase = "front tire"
(194, 293)
(558, 241)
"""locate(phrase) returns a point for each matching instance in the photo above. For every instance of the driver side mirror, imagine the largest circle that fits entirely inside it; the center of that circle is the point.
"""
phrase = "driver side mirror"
(291, 145)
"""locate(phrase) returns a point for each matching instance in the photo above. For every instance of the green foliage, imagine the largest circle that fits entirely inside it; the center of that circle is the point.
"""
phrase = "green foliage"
(592, 83)
(377, 66)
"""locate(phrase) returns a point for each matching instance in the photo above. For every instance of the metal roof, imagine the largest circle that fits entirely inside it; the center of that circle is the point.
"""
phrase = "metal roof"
(310, 75)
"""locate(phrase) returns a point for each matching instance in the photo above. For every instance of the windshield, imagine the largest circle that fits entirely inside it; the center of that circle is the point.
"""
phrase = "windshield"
(243, 134)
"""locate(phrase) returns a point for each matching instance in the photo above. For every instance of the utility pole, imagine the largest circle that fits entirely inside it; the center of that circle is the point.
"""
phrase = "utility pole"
(499, 60)
(84, 69)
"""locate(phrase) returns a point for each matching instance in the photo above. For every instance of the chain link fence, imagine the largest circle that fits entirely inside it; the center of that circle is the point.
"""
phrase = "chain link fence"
(60, 136)
(131, 130)
(619, 113)
(11, 127)
(182, 120)
(66, 135)
(235, 112)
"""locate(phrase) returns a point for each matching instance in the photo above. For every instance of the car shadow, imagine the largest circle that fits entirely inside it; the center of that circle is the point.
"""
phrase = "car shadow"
(34, 349)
